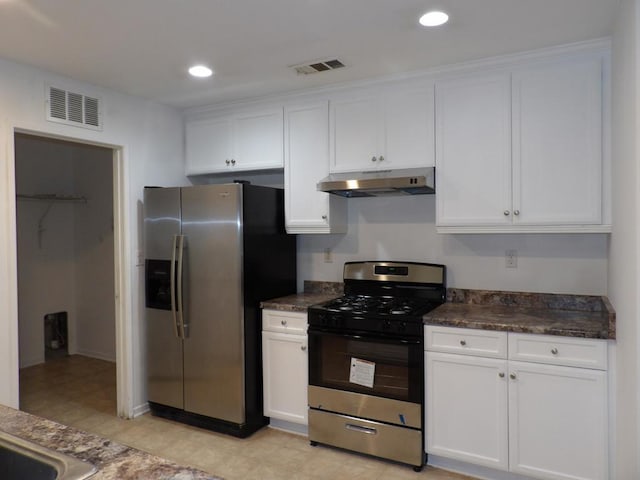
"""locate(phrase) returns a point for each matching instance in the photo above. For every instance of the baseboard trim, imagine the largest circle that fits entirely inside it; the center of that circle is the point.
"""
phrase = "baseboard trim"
(290, 427)
(140, 409)
(97, 355)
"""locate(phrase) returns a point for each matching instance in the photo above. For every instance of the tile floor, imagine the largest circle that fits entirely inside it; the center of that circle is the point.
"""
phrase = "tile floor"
(81, 392)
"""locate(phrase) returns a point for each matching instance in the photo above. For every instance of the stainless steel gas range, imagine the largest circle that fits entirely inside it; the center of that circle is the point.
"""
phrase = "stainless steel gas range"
(366, 360)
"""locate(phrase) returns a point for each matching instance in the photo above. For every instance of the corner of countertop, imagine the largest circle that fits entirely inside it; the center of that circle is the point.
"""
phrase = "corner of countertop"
(314, 292)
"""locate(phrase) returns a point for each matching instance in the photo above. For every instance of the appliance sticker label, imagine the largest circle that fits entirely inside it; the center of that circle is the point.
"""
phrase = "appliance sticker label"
(362, 372)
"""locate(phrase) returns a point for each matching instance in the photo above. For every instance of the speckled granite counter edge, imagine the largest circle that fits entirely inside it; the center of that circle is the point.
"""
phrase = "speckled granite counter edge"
(113, 461)
(314, 292)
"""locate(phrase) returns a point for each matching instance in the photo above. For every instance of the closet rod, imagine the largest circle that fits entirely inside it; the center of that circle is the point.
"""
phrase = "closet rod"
(52, 197)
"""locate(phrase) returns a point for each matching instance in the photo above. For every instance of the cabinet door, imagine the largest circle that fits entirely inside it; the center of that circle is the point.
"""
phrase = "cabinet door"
(409, 130)
(207, 145)
(306, 162)
(466, 408)
(285, 373)
(557, 421)
(557, 151)
(258, 140)
(356, 134)
(473, 151)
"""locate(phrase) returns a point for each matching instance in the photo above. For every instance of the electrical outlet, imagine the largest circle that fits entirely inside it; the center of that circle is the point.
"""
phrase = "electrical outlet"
(328, 255)
(511, 258)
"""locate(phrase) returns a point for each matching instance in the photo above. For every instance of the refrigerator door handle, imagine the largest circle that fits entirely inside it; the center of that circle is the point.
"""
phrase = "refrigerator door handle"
(181, 315)
(174, 312)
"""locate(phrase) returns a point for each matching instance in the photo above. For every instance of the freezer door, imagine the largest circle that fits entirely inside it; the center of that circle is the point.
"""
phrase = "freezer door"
(164, 348)
(213, 348)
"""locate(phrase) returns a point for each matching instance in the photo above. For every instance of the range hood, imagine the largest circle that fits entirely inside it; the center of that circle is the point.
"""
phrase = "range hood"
(411, 181)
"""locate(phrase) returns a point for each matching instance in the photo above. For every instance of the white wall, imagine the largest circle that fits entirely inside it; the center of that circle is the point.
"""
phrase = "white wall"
(623, 254)
(403, 228)
(95, 332)
(151, 139)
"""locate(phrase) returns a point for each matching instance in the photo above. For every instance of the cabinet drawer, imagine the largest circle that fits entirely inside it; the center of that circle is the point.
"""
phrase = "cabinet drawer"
(285, 322)
(466, 341)
(557, 350)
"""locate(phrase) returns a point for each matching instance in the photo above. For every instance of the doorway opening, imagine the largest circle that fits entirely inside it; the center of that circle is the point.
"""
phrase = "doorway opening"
(66, 250)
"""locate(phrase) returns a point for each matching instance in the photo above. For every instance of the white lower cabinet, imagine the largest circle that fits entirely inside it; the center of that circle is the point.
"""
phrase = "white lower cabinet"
(466, 408)
(557, 421)
(543, 419)
(284, 365)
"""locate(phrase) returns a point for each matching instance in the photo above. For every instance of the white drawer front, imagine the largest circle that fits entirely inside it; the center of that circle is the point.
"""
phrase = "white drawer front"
(284, 322)
(466, 341)
(558, 350)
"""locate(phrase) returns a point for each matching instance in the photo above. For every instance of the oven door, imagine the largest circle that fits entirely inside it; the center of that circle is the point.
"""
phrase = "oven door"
(378, 378)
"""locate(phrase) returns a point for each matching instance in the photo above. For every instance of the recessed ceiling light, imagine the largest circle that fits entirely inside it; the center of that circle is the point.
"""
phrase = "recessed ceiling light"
(200, 71)
(433, 19)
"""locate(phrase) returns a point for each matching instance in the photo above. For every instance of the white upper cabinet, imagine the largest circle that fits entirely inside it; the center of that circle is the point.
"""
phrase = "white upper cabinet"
(356, 134)
(557, 144)
(521, 150)
(390, 129)
(244, 140)
(473, 150)
(207, 145)
(306, 154)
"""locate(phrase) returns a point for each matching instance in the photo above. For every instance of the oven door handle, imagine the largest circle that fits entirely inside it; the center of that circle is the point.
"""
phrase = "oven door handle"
(364, 336)
(360, 429)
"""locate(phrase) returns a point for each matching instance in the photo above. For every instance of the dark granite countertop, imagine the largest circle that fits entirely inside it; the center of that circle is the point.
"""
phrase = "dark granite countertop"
(550, 314)
(314, 292)
(113, 461)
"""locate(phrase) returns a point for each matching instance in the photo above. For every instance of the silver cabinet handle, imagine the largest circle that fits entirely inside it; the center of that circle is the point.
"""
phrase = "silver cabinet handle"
(554, 350)
(233, 162)
(303, 347)
(283, 323)
(227, 161)
(358, 428)
(506, 213)
(501, 374)
(512, 376)
(381, 158)
(463, 342)
(324, 217)
(373, 159)
(516, 212)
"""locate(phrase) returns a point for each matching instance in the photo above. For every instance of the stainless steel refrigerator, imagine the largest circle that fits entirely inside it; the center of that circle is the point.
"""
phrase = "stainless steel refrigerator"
(212, 253)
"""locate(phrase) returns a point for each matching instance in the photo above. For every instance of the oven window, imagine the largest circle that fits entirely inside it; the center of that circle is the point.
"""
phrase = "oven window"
(366, 365)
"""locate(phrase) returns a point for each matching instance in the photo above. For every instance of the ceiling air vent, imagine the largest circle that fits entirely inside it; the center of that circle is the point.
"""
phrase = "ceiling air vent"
(318, 66)
(73, 109)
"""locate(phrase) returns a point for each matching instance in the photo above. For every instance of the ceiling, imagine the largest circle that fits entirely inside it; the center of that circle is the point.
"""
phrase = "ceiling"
(144, 47)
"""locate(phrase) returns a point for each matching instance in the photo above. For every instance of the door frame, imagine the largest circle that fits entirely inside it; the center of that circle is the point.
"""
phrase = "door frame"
(122, 278)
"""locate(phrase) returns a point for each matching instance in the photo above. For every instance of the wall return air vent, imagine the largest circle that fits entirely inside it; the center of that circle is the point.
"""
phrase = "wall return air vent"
(73, 108)
(318, 66)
